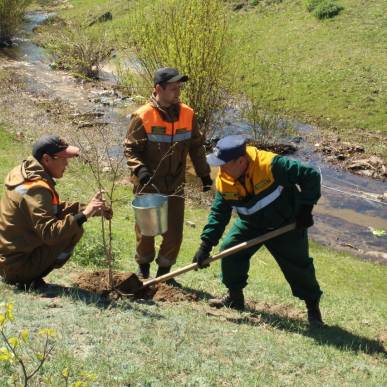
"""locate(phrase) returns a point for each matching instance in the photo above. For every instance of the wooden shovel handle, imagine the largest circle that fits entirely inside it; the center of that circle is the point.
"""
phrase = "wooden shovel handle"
(224, 253)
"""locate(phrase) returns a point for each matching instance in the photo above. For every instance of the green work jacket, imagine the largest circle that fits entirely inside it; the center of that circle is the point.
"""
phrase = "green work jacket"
(267, 197)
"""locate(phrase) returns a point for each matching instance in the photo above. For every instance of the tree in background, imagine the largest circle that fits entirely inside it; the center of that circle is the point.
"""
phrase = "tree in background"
(190, 35)
(77, 47)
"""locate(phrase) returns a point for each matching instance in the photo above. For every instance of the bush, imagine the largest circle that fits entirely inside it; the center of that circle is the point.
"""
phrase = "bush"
(90, 251)
(22, 354)
(327, 9)
(323, 9)
(11, 16)
(190, 35)
(78, 48)
(312, 4)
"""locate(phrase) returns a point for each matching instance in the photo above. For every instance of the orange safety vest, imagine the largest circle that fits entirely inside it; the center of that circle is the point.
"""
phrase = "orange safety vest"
(158, 130)
(23, 188)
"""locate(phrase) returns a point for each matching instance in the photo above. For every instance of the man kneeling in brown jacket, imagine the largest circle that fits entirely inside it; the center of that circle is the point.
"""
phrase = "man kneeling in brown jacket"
(38, 232)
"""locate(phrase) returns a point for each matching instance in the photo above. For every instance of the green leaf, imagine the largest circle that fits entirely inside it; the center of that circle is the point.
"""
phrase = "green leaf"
(378, 232)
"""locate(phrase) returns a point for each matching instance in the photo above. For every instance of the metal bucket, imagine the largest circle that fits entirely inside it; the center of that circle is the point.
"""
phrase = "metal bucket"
(151, 212)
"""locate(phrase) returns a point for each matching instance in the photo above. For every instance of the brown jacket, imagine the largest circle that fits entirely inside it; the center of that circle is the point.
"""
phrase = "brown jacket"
(28, 218)
(165, 160)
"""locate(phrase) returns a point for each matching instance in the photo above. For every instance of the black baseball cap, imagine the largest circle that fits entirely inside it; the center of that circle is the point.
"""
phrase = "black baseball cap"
(227, 149)
(168, 75)
(53, 145)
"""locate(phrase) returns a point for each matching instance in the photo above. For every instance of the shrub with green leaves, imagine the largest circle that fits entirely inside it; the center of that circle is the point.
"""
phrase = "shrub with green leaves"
(323, 9)
(78, 48)
(190, 35)
(11, 16)
(22, 356)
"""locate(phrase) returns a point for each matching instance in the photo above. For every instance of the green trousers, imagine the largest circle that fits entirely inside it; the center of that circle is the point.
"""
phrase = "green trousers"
(290, 250)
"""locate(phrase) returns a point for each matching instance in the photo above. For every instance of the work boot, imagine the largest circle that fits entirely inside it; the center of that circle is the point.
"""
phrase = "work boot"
(314, 313)
(143, 271)
(234, 299)
(165, 270)
(38, 284)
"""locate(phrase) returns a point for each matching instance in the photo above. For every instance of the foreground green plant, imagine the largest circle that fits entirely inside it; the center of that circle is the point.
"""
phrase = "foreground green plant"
(191, 36)
(82, 380)
(20, 350)
(11, 16)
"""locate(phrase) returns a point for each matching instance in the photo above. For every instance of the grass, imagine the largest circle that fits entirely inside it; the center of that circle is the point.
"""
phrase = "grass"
(330, 73)
(146, 343)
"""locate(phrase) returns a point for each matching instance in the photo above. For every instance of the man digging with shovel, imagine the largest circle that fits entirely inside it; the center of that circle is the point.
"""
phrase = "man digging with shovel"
(267, 191)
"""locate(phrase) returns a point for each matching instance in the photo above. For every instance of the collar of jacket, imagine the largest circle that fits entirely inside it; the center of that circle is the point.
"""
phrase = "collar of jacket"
(252, 155)
(170, 114)
(29, 170)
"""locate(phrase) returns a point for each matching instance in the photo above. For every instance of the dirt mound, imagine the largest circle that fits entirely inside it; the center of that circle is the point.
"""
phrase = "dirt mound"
(98, 282)
(166, 293)
(124, 283)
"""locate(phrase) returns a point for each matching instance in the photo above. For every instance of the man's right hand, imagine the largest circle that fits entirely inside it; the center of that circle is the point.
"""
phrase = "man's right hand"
(144, 175)
(202, 254)
(96, 204)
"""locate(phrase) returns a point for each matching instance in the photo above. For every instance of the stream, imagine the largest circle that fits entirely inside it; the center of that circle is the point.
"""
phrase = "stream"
(350, 208)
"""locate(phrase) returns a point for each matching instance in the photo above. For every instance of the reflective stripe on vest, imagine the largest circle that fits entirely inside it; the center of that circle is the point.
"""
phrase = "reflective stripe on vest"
(159, 130)
(260, 203)
(23, 188)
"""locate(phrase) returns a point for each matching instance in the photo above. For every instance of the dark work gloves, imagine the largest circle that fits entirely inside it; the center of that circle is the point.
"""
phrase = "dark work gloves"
(304, 218)
(202, 254)
(207, 183)
(144, 175)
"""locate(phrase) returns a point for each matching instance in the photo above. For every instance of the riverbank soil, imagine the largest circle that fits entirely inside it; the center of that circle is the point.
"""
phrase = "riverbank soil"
(353, 157)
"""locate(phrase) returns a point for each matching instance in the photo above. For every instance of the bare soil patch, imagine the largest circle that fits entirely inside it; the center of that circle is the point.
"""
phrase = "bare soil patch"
(97, 282)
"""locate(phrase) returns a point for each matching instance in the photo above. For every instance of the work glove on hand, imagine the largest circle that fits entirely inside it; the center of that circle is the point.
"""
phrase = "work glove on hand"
(207, 183)
(144, 175)
(304, 218)
(202, 254)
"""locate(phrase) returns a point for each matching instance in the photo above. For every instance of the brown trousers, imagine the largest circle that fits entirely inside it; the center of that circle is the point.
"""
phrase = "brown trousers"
(40, 262)
(171, 240)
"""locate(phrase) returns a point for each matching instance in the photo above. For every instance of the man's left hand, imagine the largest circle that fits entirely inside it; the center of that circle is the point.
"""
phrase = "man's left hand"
(202, 254)
(304, 218)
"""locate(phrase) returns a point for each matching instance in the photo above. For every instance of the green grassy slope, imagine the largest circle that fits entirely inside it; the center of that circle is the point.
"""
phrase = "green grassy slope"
(329, 72)
(333, 70)
(146, 343)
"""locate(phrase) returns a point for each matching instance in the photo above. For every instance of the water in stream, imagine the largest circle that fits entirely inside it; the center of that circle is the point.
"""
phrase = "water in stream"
(344, 215)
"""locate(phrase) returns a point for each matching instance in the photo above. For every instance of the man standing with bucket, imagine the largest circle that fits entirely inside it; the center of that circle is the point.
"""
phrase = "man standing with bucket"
(160, 136)
(267, 191)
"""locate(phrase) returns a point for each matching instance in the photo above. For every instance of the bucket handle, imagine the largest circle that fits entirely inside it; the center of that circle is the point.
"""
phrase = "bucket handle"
(158, 191)
(140, 193)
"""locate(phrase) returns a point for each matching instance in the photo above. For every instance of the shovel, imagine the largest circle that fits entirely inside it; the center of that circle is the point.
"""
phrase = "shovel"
(232, 250)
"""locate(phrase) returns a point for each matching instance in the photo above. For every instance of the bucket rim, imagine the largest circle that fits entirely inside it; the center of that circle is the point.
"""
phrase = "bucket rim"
(163, 197)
